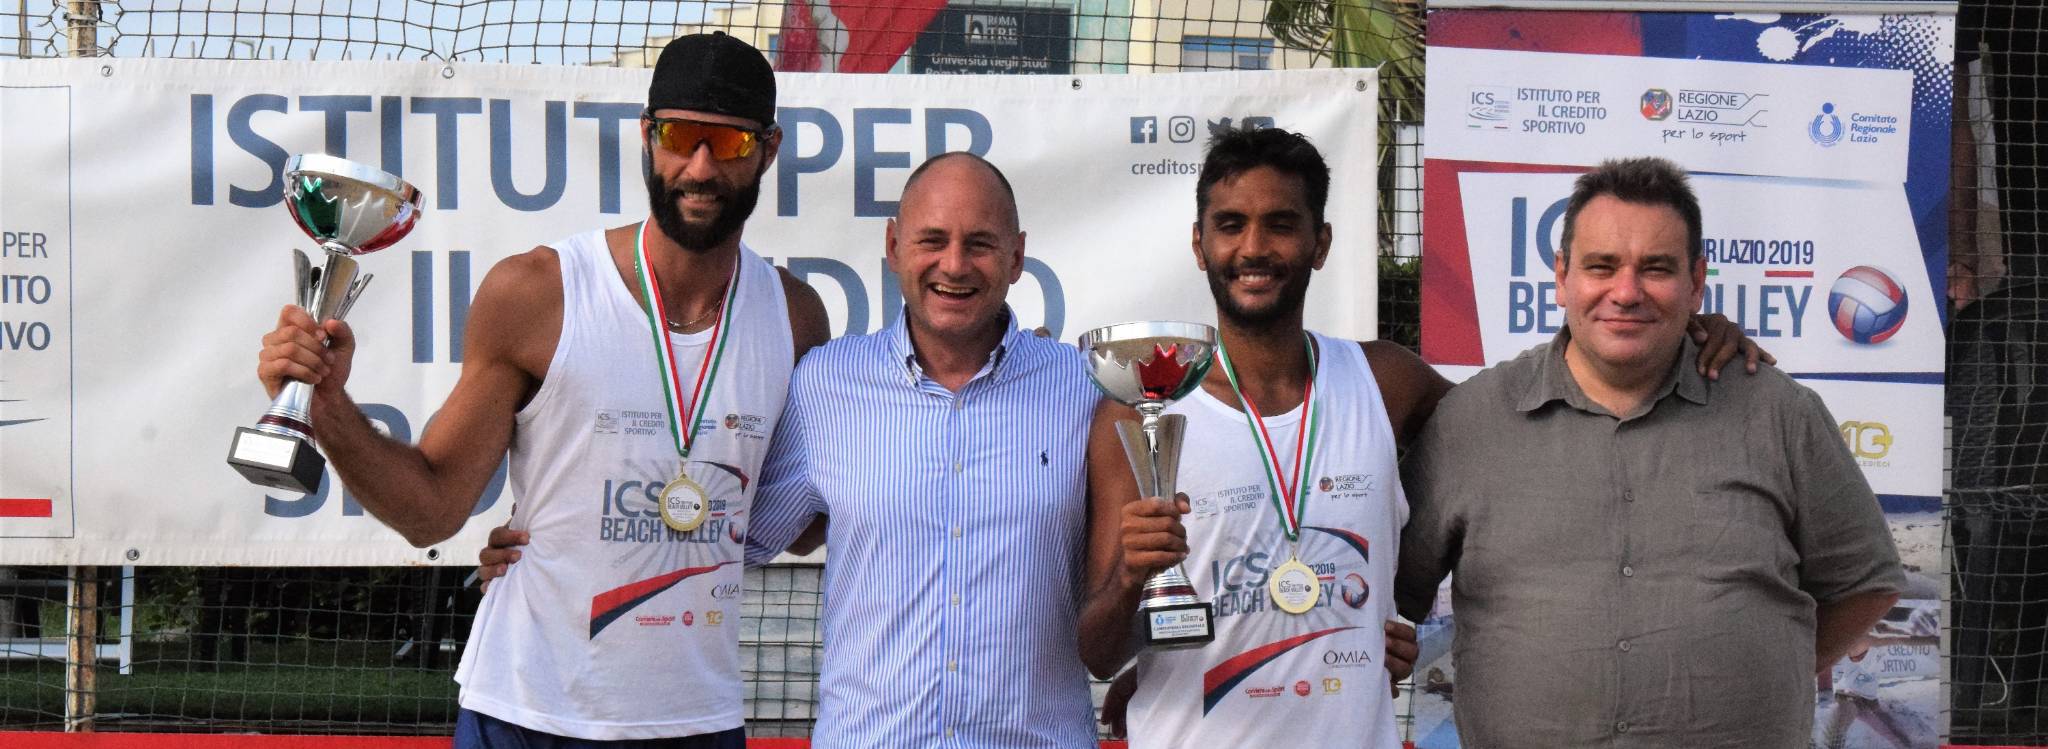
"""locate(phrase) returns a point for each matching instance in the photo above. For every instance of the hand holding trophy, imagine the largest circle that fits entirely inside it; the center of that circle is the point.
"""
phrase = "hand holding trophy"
(351, 210)
(1146, 365)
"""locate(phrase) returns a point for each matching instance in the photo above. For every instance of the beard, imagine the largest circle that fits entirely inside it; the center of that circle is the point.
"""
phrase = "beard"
(1293, 293)
(735, 205)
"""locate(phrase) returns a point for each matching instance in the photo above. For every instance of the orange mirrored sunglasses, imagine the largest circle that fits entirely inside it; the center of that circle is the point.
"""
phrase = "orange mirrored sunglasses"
(682, 136)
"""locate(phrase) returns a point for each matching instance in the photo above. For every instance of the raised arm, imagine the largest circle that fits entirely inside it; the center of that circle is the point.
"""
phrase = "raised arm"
(425, 492)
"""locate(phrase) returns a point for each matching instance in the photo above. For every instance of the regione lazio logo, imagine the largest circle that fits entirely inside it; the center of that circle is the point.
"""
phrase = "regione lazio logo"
(1867, 304)
(1826, 128)
(1656, 105)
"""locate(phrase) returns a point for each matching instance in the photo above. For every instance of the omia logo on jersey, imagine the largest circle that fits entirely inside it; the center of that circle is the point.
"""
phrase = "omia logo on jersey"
(1867, 304)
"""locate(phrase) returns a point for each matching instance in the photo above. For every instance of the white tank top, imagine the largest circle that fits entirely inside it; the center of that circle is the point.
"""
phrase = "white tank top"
(611, 626)
(1272, 678)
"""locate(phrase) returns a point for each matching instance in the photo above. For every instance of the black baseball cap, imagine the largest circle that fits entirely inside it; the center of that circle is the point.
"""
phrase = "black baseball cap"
(714, 73)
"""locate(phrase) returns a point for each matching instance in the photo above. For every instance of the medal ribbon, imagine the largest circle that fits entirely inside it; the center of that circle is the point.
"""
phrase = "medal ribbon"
(665, 351)
(1290, 500)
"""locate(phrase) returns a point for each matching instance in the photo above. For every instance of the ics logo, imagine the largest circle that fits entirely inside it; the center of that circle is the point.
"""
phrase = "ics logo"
(1826, 128)
(1656, 105)
(1867, 304)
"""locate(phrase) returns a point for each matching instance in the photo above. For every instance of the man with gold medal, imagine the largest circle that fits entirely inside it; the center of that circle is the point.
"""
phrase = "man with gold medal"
(645, 365)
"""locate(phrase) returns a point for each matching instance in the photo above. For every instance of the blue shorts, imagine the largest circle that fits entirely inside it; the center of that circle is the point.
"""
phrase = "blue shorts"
(474, 730)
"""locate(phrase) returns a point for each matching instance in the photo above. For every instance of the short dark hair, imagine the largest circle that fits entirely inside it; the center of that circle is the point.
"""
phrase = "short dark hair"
(1645, 180)
(1235, 151)
(1008, 192)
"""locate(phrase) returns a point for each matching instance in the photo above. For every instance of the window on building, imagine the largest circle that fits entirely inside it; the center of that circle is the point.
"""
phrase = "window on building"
(775, 50)
(1225, 53)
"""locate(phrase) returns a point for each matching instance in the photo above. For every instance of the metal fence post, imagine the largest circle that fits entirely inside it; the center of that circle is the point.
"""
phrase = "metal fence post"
(81, 652)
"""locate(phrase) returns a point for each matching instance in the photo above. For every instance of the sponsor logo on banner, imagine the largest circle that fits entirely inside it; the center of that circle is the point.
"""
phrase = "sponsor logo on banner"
(689, 618)
(1867, 304)
(732, 421)
(1333, 685)
(725, 591)
(1180, 129)
(713, 617)
(654, 620)
(1301, 688)
(607, 421)
(1869, 441)
(1488, 107)
(1656, 105)
(1258, 692)
(1826, 128)
(992, 28)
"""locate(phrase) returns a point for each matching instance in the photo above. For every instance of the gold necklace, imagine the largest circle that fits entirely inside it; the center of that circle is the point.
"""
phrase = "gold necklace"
(679, 326)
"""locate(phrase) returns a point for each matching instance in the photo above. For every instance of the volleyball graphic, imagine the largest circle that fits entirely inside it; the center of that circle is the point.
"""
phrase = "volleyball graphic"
(1867, 304)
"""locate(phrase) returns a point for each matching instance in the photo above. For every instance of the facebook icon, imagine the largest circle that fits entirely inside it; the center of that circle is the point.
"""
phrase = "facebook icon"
(1144, 130)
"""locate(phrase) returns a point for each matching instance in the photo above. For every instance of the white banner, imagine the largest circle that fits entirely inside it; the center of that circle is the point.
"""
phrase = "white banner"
(143, 252)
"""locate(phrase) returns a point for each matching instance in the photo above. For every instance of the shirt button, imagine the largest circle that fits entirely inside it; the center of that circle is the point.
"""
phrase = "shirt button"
(956, 531)
(1621, 726)
(949, 732)
(1628, 497)
(957, 466)
(956, 602)
(1627, 571)
(956, 404)
(1623, 645)
(952, 665)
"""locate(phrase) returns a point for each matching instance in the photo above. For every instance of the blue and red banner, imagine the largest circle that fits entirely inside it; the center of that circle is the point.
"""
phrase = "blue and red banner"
(1819, 148)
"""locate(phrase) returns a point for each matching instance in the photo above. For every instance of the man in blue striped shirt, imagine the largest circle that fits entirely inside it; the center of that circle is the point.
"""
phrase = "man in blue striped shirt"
(947, 450)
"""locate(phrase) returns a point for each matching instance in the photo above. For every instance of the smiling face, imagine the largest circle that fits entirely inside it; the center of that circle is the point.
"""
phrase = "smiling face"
(1258, 240)
(955, 248)
(696, 199)
(1627, 285)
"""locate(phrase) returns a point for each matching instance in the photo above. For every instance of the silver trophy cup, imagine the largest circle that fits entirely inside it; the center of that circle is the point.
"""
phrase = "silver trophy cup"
(1146, 365)
(350, 209)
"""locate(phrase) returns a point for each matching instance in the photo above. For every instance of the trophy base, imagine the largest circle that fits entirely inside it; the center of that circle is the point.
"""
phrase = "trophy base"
(1185, 625)
(277, 461)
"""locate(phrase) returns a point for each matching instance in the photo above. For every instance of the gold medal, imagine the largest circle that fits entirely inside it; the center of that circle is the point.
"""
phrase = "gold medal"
(1294, 587)
(684, 504)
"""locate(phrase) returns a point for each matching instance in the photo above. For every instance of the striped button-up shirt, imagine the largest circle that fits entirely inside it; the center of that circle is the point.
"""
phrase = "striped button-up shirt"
(957, 539)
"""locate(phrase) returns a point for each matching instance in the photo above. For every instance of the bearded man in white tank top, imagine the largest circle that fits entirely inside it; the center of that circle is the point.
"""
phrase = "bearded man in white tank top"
(645, 364)
(1288, 468)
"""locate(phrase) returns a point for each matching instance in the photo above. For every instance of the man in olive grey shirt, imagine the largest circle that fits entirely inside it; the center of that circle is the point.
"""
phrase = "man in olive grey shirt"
(1643, 556)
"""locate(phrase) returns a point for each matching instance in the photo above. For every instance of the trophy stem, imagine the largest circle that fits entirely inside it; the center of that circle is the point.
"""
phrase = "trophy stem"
(291, 413)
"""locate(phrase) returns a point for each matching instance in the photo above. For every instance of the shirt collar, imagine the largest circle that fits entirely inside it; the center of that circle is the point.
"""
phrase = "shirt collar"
(1552, 379)
(903, 356)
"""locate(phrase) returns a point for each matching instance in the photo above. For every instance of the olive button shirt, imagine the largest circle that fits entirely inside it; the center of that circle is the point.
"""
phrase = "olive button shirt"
(1643, 580)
